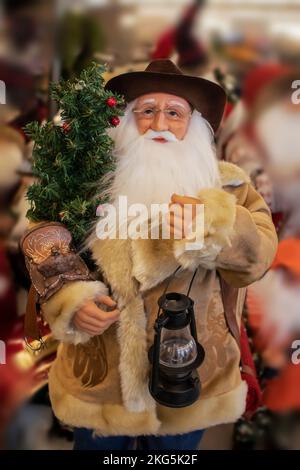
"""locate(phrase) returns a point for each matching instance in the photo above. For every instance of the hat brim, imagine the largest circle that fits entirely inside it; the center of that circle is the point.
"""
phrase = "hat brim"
(205, 96)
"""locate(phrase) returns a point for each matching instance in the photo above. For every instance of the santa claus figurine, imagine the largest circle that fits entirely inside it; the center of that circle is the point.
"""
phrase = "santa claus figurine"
(164, 149)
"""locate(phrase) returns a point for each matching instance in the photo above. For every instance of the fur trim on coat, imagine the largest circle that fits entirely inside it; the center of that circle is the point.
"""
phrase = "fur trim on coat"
(60, 309)
(242, 241)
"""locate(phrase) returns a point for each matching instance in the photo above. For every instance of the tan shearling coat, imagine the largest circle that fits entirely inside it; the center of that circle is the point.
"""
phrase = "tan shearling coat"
(101, 383)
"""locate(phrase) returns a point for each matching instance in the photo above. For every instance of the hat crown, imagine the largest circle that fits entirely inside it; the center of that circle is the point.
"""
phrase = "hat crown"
(163, 66)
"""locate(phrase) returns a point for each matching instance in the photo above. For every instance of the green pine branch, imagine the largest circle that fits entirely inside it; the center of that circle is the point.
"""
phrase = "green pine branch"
(70, 160)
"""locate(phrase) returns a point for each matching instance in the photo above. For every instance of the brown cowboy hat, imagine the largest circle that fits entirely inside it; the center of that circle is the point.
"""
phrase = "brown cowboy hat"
(163, 76)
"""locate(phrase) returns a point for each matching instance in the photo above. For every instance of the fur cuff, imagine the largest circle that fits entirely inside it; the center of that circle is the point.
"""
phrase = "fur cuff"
(219, 218)
(60, 309)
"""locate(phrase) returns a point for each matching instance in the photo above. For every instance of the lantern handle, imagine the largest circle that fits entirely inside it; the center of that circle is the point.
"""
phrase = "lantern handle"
(171, 279)
(191, 283)
(169, 282)
(166, 288)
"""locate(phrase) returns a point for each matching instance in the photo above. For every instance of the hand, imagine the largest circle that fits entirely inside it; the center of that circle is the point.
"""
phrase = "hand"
(180, 217)
(93, 320)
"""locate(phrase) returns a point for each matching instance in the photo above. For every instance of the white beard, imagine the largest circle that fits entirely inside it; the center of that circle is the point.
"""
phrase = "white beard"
(149, 172)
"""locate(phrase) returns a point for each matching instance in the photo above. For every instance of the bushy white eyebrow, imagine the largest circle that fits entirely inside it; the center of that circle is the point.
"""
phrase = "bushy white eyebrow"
(148, 100)
(177, 103)
(171, 102)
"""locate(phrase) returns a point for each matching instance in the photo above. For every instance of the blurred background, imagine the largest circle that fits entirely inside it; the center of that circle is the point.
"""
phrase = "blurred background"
(252, 48)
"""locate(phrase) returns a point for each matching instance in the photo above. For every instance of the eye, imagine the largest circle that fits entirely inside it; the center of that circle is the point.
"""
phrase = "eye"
(173, 114)
(148, 112)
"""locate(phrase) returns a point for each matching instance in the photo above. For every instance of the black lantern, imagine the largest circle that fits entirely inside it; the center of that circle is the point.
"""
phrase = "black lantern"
(175, 353)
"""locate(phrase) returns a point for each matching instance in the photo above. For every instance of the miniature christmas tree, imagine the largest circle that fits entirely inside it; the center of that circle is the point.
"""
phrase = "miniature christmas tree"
(70, 159)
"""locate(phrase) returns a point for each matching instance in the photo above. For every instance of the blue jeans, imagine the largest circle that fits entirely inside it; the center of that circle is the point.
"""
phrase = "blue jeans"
(84, 440)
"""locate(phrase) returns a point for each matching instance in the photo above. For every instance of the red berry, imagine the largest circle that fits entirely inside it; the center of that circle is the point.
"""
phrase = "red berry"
(111, 101)
(61, 215)
(115, 121)
(66, 127)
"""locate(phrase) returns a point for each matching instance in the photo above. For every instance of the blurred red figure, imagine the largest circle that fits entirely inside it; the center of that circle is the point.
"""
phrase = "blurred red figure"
(181, 39)
(273, 306)
(13, 381)
(8, 306)
(260, 136)
(21, 372)
(236, 139)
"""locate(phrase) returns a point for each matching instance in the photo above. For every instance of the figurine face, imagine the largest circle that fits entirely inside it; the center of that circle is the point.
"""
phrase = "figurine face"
(160, 112)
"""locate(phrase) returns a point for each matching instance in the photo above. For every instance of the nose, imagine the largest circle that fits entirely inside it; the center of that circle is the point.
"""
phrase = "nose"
(159, 122)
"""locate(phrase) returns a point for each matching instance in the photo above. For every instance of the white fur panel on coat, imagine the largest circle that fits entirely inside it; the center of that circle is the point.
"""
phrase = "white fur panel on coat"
(60, 309)
(216, 230)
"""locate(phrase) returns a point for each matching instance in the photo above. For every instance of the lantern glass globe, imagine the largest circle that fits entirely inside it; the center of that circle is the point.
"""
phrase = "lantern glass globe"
(177, 348)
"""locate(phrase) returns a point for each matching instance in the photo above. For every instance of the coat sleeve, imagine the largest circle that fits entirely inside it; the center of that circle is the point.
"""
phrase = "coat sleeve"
(240, 240)
(59, 296)
(60, 309)
(253, 243)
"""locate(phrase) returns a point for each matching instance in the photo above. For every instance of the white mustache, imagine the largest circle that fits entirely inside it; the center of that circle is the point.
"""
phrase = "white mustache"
(169, 136)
